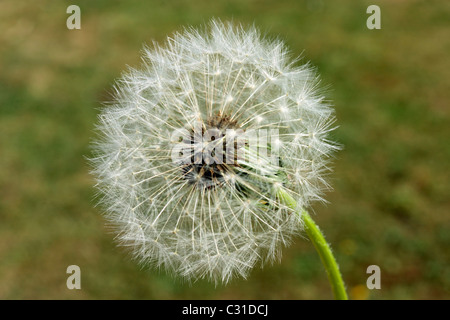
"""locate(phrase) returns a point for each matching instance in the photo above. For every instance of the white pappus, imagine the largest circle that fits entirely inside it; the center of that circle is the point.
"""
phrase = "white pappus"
(212, 219)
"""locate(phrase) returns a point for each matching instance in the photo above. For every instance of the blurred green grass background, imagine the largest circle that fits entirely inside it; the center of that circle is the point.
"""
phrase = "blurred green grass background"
(390, 206)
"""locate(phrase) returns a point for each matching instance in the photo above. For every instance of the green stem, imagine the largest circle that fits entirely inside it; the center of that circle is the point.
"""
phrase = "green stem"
(322, 247)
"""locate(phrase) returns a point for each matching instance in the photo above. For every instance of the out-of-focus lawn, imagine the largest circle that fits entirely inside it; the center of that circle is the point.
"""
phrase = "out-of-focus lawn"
(391, 203)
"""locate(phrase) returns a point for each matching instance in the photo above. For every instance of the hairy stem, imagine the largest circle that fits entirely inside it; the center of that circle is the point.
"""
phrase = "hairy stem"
(322, 247)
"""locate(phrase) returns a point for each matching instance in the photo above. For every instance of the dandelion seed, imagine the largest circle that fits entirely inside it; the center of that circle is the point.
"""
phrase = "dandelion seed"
(194, 216)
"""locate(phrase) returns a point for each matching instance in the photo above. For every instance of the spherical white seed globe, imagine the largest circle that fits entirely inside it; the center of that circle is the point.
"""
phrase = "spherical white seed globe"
(196, 216)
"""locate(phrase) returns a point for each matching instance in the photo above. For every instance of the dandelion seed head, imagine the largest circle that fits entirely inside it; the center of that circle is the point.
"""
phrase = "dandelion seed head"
(212, 217)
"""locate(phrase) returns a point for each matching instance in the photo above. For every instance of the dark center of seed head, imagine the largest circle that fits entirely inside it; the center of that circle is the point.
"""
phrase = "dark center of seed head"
(215, 156)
